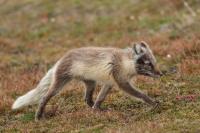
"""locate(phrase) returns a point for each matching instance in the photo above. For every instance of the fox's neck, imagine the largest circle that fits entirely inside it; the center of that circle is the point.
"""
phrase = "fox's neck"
(124, 64)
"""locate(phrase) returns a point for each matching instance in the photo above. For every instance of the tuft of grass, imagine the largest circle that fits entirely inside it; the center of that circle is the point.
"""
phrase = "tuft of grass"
(27, 117)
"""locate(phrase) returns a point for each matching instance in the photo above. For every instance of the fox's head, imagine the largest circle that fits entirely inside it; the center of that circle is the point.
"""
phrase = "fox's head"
(145, 60)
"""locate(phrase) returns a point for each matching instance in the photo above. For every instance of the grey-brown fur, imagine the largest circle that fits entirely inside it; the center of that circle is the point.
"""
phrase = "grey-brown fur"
(118, 66)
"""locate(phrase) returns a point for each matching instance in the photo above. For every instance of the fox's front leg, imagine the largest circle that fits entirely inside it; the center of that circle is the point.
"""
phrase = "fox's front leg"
(90, 87)
(126, 86)
(101, 96)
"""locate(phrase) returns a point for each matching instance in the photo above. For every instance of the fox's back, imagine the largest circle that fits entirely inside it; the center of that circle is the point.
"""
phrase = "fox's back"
(93, 63)
(91, 53)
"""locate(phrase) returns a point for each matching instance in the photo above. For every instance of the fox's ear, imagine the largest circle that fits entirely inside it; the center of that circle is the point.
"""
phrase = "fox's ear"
(144, 44)
(139, 48)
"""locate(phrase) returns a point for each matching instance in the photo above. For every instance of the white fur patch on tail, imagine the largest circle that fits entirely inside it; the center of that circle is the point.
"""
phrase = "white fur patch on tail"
(35, 95)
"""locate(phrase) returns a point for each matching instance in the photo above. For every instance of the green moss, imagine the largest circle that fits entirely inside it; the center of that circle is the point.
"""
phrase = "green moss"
(27, 117)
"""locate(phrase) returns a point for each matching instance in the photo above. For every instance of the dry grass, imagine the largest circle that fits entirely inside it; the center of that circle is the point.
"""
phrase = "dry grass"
(42, 31)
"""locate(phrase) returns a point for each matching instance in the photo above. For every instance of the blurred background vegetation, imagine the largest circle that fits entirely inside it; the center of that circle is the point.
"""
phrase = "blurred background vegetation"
(34, 34)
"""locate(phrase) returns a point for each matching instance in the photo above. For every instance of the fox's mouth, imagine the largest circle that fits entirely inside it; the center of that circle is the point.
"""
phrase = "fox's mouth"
(153, 75)
(158, 74)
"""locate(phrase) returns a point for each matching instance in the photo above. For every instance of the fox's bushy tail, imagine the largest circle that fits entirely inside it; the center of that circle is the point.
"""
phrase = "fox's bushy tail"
(35, 95)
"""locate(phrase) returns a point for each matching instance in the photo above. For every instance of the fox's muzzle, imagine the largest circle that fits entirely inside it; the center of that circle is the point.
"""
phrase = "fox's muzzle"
(157, 72)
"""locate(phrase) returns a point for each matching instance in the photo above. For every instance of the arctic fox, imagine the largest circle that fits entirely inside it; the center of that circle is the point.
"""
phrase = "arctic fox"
(92, 65)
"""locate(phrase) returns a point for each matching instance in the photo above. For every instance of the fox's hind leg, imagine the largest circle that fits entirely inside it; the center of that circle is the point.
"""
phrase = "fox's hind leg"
(57, 85)
(90, 87)
(101, 96)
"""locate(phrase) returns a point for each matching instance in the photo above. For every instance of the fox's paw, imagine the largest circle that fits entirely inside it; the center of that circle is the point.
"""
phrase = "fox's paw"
(90, 103)
(156, 104)
(97, 108)
(156, 107)
(36, 119)
(38, 116)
